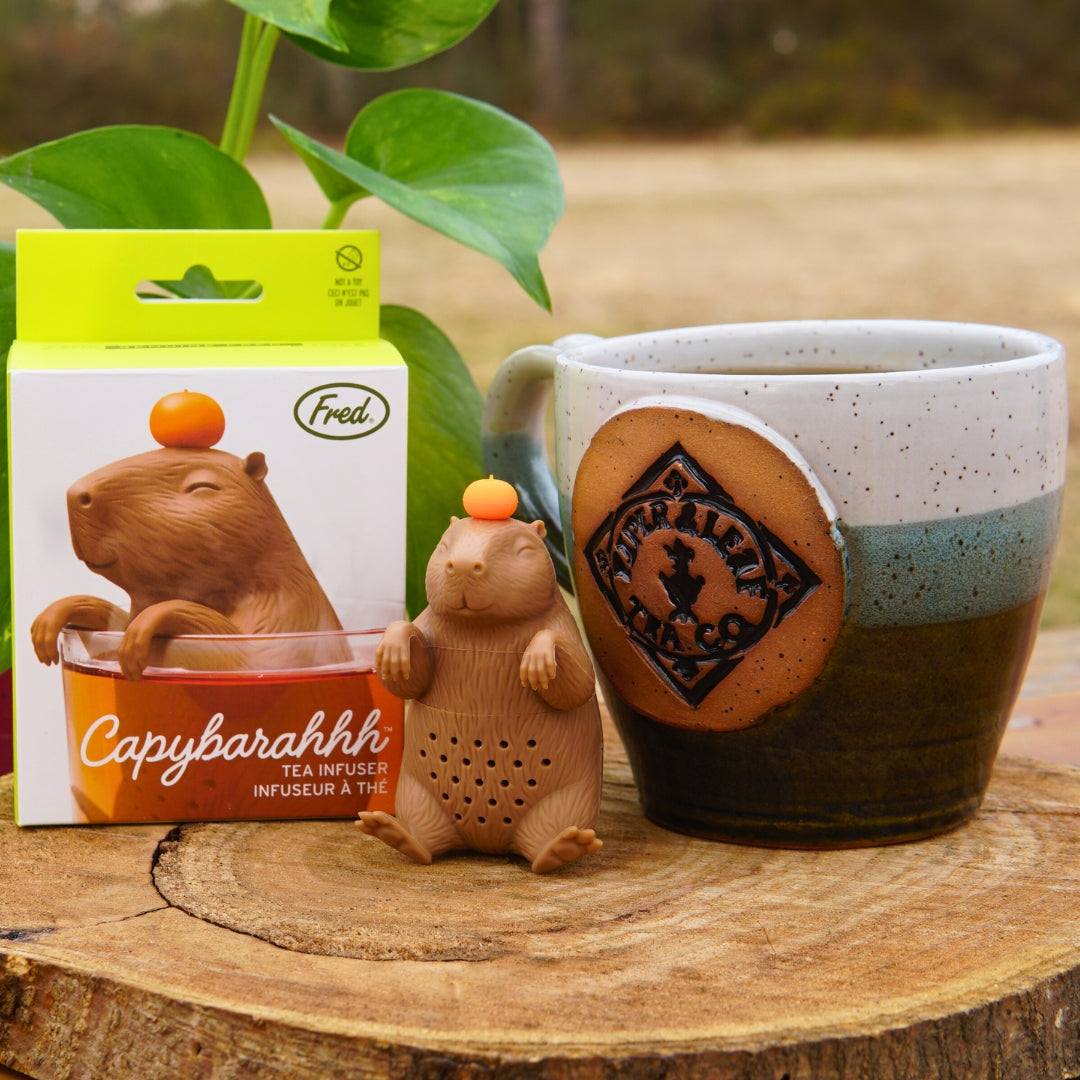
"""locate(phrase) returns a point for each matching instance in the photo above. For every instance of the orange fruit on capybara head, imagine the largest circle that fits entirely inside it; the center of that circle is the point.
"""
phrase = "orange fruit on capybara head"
(187, 418)
(490, 499)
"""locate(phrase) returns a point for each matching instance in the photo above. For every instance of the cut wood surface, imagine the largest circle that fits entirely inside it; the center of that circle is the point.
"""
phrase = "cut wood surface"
(303, 949)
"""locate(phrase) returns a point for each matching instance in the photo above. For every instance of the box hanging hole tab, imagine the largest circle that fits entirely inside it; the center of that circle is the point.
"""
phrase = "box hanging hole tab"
(199, 283)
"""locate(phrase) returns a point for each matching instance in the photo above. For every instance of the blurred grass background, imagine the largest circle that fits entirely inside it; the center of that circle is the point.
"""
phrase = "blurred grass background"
(724, 160)
(579, 68)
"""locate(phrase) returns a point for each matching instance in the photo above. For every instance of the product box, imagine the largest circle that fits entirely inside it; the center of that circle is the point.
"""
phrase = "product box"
(207, 526)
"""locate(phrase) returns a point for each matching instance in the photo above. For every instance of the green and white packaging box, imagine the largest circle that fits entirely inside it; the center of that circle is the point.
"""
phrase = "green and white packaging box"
(301, 375)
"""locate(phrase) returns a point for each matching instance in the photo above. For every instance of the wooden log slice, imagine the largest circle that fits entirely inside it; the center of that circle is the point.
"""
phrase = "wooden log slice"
(303, 949)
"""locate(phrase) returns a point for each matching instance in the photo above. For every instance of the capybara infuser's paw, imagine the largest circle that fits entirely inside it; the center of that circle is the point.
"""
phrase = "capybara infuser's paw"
(44, 631)
(570, 845)
(538, 664)
(133, 653)
(393, 660)
(86, 612)
(390, 831)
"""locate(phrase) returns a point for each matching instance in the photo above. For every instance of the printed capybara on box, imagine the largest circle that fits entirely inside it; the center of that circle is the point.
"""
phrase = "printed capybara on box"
(196, 540)
(503, 744)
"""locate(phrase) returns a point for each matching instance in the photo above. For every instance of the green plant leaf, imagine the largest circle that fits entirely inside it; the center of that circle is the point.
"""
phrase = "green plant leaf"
(444, 454)
(7, 304)
(335, 185)
(7, 334)
(464, 168)
(199, 283)
(308, 19)
(383, 34)
(137, 177)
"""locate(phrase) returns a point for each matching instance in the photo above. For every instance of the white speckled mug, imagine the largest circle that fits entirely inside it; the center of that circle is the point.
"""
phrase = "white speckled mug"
(810, 558)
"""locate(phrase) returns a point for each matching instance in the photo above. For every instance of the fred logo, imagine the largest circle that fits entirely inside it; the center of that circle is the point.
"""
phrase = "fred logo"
(341, 411)
(696, 582)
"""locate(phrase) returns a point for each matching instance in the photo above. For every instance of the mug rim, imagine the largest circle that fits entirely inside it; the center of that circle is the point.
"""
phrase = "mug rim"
(1029, 348)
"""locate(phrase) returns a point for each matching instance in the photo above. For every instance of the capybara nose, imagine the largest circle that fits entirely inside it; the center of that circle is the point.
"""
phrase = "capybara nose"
(476, 567)
(79, 497)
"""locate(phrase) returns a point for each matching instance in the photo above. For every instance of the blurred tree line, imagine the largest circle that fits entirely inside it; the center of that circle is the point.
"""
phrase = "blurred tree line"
(574, 67)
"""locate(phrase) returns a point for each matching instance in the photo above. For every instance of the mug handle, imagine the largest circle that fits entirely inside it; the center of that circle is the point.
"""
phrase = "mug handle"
(514, 442)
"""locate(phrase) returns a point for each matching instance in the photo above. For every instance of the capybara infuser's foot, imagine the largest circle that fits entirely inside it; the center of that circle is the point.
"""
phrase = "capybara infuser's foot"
(565, 848)
(389, 830)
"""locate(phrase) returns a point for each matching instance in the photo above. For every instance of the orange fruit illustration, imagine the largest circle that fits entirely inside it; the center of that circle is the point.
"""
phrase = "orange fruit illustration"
(490, 499)
(187, 418)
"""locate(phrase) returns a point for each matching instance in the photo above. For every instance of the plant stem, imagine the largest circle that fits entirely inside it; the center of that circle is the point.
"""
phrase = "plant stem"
(260, 69)
(336, 213)
(257, 44)
(248, 40)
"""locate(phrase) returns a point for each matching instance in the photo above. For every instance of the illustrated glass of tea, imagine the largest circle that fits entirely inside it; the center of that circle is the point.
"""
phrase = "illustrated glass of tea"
(229, 726)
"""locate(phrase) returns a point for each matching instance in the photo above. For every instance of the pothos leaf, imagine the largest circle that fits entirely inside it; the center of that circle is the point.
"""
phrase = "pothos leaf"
(444, 455)
(7, 300)
(379, 35)
(137, 177)
(308, 19)
(7, 333)
(462, 167)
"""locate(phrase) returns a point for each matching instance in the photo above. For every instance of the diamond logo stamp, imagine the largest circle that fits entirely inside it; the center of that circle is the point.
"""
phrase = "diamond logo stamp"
(677, 532)
(709, 570)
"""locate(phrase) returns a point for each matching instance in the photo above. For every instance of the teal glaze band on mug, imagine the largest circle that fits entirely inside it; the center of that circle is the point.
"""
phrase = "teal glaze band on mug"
(956, 568)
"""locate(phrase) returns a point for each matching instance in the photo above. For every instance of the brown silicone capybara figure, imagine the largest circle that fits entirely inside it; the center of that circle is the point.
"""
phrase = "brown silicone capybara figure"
(503, 746)
(195, 539)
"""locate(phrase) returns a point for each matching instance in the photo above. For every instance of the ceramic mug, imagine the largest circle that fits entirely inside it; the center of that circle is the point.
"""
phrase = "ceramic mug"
(810, 558)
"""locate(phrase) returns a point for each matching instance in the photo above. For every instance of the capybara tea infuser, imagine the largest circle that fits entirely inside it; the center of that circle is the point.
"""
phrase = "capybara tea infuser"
(503, 745)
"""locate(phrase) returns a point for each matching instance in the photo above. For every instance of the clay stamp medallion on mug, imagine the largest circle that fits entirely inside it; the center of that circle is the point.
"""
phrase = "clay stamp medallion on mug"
(710, 574)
